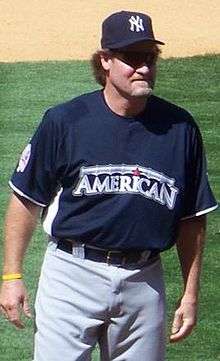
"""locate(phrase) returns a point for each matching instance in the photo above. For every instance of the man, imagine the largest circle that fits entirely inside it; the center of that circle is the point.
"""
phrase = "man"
(120, 175)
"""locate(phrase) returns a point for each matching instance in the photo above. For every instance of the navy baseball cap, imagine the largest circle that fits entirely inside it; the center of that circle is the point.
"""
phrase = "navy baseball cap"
(126, 28)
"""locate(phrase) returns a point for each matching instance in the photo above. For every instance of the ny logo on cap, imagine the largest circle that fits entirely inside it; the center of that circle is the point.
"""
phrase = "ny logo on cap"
(136, 23)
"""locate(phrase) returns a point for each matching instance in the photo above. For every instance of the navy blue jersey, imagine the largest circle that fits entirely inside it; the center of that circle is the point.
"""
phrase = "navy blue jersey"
(115, 182)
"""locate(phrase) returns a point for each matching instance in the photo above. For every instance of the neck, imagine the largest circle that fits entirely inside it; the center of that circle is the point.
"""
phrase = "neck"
(122, 105)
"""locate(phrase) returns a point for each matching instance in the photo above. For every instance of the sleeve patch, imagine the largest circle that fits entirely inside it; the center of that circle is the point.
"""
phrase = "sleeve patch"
(24, 159)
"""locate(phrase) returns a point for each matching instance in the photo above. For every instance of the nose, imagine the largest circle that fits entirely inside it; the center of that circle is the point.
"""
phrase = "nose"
(143, 68)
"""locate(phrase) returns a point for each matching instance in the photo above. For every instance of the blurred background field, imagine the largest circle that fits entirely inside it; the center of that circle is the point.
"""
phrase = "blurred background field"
(67, 29)
(27, 90)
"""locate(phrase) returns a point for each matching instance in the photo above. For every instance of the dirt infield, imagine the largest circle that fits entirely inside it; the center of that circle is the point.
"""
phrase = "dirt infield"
(70, 29)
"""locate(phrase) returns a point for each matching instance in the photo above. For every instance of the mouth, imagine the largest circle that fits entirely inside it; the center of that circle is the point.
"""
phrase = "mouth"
(144, 81)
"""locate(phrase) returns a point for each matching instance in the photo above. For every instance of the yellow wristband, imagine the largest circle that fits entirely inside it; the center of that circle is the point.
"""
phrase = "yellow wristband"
(11, 277)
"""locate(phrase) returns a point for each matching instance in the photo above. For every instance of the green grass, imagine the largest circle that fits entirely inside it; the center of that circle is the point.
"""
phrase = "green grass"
(27, 89)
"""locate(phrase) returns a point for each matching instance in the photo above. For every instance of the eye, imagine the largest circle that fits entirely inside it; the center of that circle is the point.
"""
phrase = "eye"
(136, 59)
(151, 59)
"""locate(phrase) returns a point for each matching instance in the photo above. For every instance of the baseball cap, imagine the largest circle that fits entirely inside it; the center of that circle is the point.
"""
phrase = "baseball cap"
(126, 28)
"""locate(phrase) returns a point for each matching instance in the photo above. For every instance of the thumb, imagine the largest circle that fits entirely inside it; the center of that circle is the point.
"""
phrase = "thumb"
(26, 308)
(177, 322)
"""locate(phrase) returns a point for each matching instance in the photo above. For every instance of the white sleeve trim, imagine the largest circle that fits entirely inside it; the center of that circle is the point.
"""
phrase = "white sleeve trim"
(18, 191)
(51, 213)
(200, 213)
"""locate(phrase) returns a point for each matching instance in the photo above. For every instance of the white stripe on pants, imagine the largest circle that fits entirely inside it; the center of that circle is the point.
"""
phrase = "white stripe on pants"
(81, 302)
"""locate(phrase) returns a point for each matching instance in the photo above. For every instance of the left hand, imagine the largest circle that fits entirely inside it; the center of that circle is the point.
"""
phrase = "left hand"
(184, 320)
(14, 301)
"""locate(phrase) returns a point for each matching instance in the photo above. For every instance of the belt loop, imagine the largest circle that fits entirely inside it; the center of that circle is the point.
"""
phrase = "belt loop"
(78, 250)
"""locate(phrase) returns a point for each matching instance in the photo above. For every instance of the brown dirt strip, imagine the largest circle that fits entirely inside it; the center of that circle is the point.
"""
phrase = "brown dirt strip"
(70, 29)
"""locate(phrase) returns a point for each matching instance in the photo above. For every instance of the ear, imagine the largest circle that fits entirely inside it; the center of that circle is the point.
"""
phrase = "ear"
(105, 61)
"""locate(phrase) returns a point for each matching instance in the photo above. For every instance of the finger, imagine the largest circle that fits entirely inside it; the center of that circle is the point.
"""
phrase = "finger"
(3, 312)
(177, 322)
(26, 308)
(18, 324)
(183, 332)
(14, 317)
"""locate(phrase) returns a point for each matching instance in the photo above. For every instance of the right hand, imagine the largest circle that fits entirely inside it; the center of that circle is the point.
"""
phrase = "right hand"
(14, 301)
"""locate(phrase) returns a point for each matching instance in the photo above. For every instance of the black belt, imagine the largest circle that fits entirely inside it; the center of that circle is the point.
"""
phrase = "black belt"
(108, 256)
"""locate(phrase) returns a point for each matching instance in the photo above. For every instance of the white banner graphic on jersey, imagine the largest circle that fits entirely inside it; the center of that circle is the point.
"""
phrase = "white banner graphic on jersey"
(24, 159)
(122, 179)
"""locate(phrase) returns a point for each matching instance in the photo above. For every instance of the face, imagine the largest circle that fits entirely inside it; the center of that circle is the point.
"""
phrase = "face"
(131, 72)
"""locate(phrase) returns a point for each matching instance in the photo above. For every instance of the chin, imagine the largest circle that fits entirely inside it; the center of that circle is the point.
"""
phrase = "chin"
(140, 93)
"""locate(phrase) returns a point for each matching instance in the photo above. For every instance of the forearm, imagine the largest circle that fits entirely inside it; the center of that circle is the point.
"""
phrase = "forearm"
(190, 246)
(20, 221)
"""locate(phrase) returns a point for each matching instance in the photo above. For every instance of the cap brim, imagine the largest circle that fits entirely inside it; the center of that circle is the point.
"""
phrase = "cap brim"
(123, 44)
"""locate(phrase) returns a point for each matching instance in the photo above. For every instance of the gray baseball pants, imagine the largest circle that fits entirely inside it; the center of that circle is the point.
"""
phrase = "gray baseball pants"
(80, 303)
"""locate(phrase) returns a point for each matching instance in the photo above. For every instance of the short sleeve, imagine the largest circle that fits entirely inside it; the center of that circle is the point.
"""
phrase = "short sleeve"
(35, 175)
(198, 197)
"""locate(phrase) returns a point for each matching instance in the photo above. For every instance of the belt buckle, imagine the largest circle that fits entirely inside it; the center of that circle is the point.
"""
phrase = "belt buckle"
(108, 257)
(145, 255)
